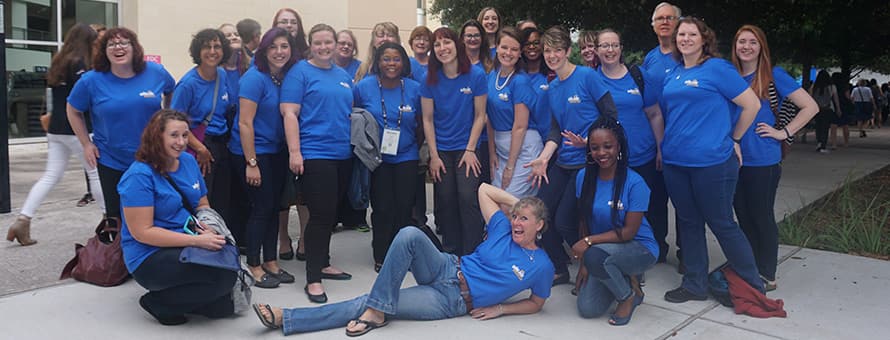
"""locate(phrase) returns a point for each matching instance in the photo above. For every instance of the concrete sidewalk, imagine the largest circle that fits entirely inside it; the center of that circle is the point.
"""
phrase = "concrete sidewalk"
(827, 295)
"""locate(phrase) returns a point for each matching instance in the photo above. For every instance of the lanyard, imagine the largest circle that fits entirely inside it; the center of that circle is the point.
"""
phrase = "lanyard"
(383, 102)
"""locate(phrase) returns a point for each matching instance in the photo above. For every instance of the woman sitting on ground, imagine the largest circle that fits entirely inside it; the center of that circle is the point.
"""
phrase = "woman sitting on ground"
(619, 244)
(506, 263)
(154, 230)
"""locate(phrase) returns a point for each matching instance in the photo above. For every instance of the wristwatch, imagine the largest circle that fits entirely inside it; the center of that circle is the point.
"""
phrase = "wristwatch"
(251, 162)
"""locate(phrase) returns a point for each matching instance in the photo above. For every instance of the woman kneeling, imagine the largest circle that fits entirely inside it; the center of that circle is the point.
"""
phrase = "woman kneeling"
(506, 263)
(619, 245)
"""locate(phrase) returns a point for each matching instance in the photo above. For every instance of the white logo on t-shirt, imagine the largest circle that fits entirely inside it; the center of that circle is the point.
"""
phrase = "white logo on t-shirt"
(196, 186)
(503, 96)
(520, 274)
(225, 97)
(634, 91)
(344, 84)
(466, 90)
(620, 204)
(147, 94)
(406, 108)
(691, 82)
(574, 99)
(544, 87)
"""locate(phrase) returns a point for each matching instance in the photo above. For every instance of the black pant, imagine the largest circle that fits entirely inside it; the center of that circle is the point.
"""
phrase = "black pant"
(755, 196)
(176, 288)
(457, 206)
(392, 198)
(109, 178)
(559, 197)
(324, 185)
(484, 159)
(823, 122)
(418, 215)
(657, 215)
(239, 205)
(262, 222)
(218, 180)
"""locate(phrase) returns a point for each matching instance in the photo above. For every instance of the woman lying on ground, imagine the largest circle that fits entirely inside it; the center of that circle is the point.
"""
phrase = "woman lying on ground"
(508, 262)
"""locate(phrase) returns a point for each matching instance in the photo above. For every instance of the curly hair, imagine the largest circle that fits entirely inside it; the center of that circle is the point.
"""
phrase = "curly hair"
(100, 58)
(151, 149)
(205, 37)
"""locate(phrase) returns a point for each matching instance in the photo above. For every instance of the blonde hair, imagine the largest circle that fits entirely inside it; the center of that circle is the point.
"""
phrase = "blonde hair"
(384, 27)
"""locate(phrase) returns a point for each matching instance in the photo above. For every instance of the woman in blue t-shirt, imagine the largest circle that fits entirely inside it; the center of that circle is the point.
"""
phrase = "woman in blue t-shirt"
(577, 98)
(618, 245)
(453, 102)
(448, 286)
(393, 98)
(755, 193)
(346, 52)
(476, 45)
(120, 93)
(200, 90)
(701, 155)
(157, 226)
(636, 96)
(514, 140)
(316, 101)
(258, 157)
(420, 42)
(539, 77)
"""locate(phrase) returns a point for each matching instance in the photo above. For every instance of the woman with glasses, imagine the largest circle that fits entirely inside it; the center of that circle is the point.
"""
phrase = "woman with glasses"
(514, 140)
(421, 43)
(453, 101)
(121, 93)
(755, 193)
(394, 100)
(475, 41)
(539, 77)
(702, 155)
(290, 20)
(346, 52)
(316, 101)
(577, 98)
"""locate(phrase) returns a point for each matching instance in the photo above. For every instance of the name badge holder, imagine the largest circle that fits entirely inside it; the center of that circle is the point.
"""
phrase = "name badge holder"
(389, 145)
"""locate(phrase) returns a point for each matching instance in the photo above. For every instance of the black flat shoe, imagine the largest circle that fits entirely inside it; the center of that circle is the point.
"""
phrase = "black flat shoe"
(320, 298)
(267, 281)
(281, 275)
(340, 276)
(286, 255)
(561, 279)
(377, 267)
(681, 295)
(300, 256)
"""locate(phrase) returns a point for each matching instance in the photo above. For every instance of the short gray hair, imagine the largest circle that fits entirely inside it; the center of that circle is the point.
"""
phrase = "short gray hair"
(677, 10)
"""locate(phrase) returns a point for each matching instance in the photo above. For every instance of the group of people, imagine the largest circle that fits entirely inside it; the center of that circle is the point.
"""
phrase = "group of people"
(842, 105)
(491, 112)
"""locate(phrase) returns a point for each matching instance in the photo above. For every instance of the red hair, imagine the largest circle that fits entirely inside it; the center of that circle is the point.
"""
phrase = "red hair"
(463, 61)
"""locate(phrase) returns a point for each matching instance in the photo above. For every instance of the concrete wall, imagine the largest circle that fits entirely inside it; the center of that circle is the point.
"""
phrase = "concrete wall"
(165, 27)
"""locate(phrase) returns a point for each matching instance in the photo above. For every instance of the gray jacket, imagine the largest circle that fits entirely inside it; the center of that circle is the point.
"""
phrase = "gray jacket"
(365, 137)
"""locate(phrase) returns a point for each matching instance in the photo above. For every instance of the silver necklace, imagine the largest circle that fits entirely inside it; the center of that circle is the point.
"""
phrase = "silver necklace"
(531, 256)
(506, 81)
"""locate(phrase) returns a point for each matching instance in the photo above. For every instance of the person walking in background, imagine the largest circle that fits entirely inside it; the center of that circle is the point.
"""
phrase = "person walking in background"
(67, 67)
(826, 96)
(755, 193)
(865, 105)
(121, 93)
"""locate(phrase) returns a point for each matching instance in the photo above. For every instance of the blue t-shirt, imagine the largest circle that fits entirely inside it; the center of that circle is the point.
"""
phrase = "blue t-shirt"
(193, 96)
(540, 114)
(325, 98)
(402, 105)
(501, 103)
(499, 268)
(573, 105)
(453, 111)
(698, 102)
(630, 103)
(232, 79)
(352, 68)
(120, 108)
(268, 126)
(658, 65)
(418, 71)
(765, 151)
(141, 186)
(634, 198)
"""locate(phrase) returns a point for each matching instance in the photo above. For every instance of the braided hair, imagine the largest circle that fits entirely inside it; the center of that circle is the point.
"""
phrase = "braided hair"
(588, 187)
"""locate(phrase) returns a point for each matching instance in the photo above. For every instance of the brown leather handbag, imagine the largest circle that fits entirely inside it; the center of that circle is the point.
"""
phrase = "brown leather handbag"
(101, 261)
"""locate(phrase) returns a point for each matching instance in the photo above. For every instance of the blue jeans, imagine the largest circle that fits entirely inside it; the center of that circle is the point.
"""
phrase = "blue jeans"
(609, 265)
(436, 296)
(704, 195)
(559, 197)
(755, 196)
(657, 215)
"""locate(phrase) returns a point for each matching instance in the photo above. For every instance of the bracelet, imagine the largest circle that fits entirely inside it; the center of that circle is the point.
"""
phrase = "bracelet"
(787, 134)
(501, 308)
(471, 151)
(736, 140)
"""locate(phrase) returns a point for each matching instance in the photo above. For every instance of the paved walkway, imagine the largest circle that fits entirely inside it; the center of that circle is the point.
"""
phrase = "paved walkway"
(827, 295)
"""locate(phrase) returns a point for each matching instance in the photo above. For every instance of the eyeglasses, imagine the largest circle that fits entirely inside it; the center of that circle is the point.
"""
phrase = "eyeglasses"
(285, 22)
(605, 46)
(119, 44)
(533, 43)
(665, 18)
(473, 36)
(212, 47)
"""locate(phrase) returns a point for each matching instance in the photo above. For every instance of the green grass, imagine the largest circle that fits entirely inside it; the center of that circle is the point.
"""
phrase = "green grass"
(853, 219)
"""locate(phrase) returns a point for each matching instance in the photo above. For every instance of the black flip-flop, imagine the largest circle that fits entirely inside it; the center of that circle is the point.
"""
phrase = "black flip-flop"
(369, 326)
(269, 324)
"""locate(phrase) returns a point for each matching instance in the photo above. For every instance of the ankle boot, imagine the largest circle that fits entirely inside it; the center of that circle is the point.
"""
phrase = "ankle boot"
(21, 230)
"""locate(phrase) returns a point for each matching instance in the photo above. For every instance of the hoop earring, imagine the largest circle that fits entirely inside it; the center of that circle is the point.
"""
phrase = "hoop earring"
(539, 236)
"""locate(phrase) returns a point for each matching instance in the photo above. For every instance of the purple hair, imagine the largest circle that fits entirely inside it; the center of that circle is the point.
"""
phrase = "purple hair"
(261, 59)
